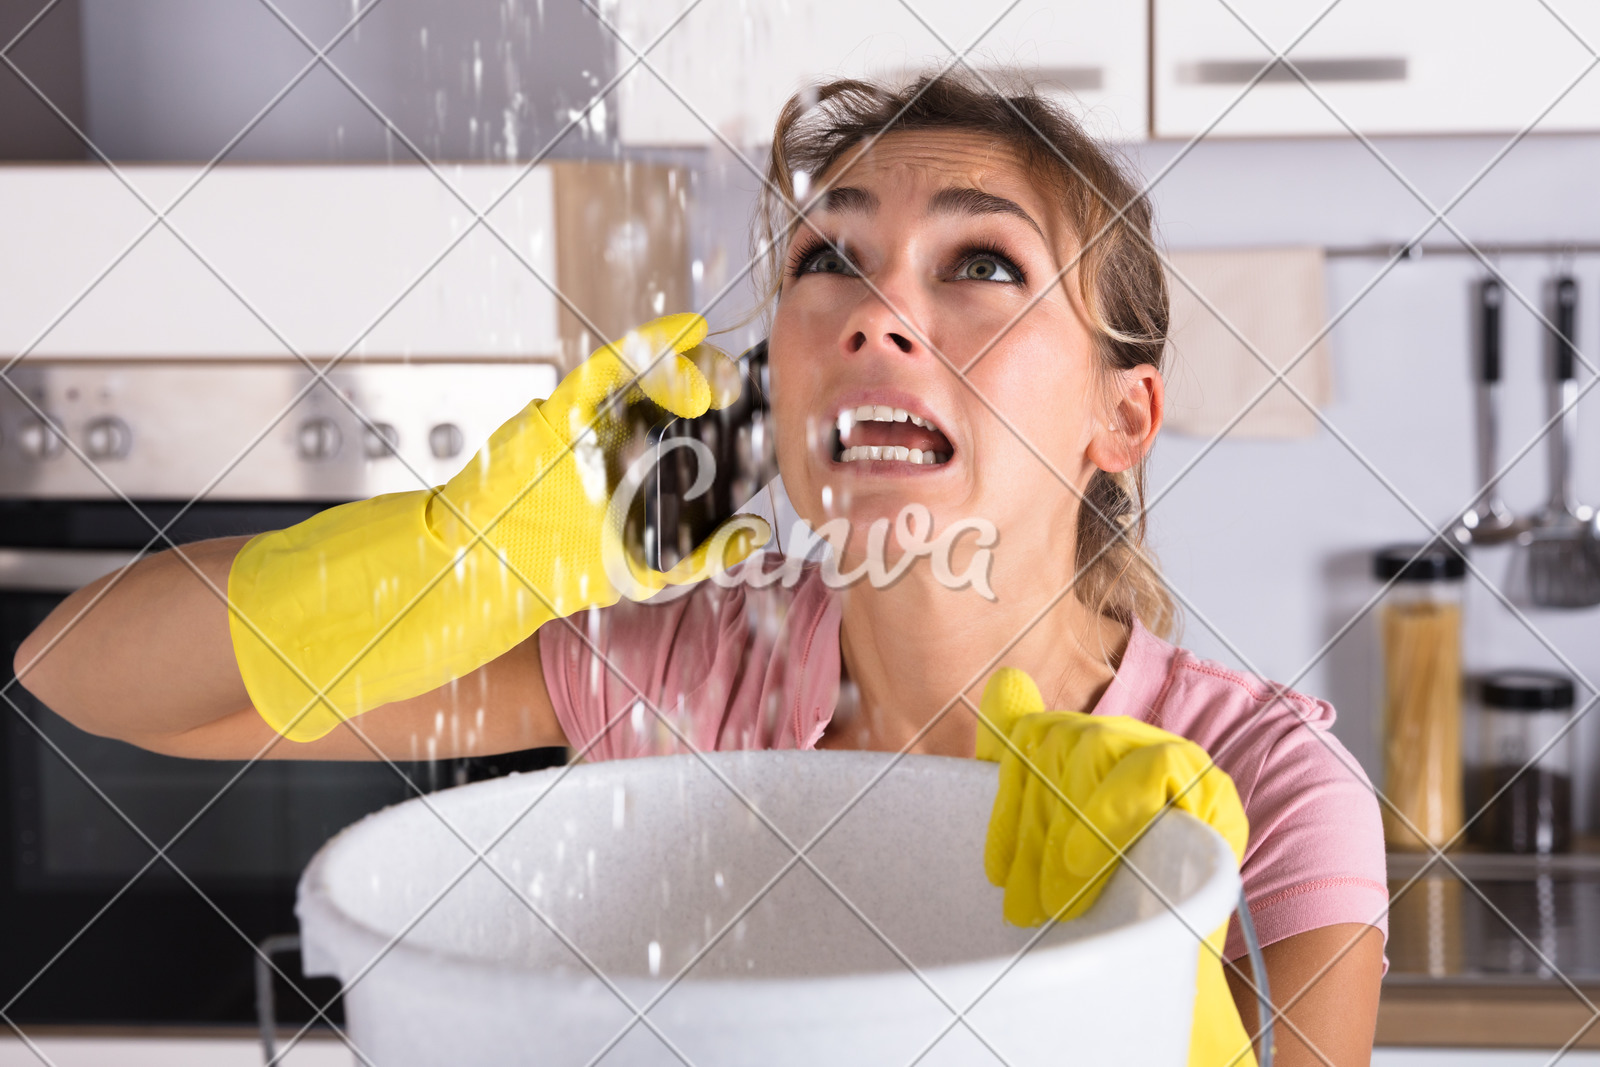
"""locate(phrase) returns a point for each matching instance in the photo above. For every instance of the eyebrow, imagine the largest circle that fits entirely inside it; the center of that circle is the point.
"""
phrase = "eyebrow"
(850, 200)
(958, 200)
(964, 201)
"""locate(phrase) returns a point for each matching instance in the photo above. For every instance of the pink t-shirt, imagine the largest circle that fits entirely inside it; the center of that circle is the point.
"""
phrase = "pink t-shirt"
(746, 668)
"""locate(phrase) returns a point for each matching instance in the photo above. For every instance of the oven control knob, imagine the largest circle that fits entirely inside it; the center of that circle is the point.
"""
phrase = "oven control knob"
(445, 440)
(380, 439)
(37, 441)
(107, 438)
(318, 439)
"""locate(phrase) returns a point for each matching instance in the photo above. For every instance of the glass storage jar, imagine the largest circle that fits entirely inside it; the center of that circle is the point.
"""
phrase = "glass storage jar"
(1420, 626)
(1526, 760)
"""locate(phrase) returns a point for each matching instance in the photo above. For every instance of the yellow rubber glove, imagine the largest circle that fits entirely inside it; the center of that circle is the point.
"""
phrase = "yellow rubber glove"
(335, 589)
(1119, 774)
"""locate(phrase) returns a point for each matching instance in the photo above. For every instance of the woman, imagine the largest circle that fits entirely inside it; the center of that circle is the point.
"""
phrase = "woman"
(946, 217)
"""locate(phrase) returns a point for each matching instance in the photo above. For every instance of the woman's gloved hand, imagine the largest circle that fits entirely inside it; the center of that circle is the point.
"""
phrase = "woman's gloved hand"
(334, 595)
(1118, 774)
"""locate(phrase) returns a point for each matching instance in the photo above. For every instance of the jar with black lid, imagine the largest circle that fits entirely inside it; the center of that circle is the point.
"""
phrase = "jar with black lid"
(1420, 625)
(1524, 753)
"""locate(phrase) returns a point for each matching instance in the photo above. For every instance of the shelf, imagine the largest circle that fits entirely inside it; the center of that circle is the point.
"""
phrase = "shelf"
(1523, 922)
(1484, 1017)
(1585, 862)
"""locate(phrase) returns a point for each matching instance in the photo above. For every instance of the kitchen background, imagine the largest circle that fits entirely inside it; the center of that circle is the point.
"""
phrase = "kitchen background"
(1269, 540)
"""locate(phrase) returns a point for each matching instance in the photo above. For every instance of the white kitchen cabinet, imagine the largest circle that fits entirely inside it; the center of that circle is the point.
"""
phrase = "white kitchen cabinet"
(735, 62)
(316, 259)
(1386, 66)
(318, 253)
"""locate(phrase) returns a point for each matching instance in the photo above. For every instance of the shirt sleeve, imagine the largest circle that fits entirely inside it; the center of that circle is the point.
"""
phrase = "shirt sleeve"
(1316, 855)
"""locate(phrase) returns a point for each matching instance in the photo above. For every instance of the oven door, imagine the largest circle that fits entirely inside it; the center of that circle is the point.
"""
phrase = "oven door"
(100, 927)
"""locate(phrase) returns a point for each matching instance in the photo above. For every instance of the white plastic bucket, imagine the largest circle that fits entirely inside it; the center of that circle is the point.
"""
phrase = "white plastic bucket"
(640, 864)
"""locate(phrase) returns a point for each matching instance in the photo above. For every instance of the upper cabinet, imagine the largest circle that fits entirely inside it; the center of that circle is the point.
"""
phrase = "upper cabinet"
(729, 65)
(1382, 66)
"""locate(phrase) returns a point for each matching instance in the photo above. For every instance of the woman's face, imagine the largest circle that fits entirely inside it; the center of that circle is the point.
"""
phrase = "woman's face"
(964, 250)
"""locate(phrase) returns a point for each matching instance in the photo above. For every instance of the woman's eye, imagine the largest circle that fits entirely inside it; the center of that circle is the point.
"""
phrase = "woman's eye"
(826, 261)
(987, 269)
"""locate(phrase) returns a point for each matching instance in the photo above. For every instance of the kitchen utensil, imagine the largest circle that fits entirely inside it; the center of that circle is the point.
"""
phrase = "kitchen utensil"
(1563, 561)
(1488, 521)
(640, 864)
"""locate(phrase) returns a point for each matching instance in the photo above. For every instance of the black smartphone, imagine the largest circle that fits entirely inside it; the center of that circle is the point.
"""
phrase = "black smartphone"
(698, 472)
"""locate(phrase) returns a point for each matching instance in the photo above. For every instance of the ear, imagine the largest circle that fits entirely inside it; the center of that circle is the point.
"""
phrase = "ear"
(1136, 403)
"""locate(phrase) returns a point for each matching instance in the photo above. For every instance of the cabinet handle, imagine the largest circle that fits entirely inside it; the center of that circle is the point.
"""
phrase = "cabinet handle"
(1241, 71)
(1076, 79)
(1073, 79)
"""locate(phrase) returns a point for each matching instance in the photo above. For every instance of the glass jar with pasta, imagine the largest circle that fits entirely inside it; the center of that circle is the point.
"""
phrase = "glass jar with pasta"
(1420, 627)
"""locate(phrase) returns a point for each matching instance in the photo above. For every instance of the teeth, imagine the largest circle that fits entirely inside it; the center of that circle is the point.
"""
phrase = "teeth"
(847, 420)
(878, 413)
(892, 452)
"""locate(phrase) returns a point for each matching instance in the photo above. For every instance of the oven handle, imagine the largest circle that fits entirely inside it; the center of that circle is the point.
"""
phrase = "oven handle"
(55, 570)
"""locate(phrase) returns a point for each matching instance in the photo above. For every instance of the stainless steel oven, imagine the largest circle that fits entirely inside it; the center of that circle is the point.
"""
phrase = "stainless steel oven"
(96, 927)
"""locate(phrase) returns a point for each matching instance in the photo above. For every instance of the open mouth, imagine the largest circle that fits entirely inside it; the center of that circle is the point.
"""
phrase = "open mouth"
(883, 433)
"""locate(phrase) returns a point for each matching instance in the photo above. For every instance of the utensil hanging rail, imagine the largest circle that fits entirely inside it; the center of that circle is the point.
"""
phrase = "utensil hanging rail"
(1418, 251)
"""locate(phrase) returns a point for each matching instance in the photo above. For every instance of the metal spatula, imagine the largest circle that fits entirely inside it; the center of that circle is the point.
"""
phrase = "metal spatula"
(1563, 555)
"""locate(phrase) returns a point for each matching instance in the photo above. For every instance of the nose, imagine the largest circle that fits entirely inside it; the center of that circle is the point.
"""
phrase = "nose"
(885, 326)
(857, 341)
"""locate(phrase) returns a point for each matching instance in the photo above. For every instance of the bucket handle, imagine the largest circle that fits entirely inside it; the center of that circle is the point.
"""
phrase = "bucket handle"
(266, 1007)
(1258, 971)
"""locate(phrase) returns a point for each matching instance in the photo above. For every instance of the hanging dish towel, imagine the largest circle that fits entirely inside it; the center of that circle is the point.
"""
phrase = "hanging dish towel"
(1273, 299)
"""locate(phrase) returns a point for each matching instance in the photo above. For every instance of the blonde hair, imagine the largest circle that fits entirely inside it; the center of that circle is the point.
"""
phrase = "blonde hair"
(1121, 284)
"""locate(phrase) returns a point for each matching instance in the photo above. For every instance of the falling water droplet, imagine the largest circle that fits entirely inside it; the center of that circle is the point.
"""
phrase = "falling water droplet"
(655, 958)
